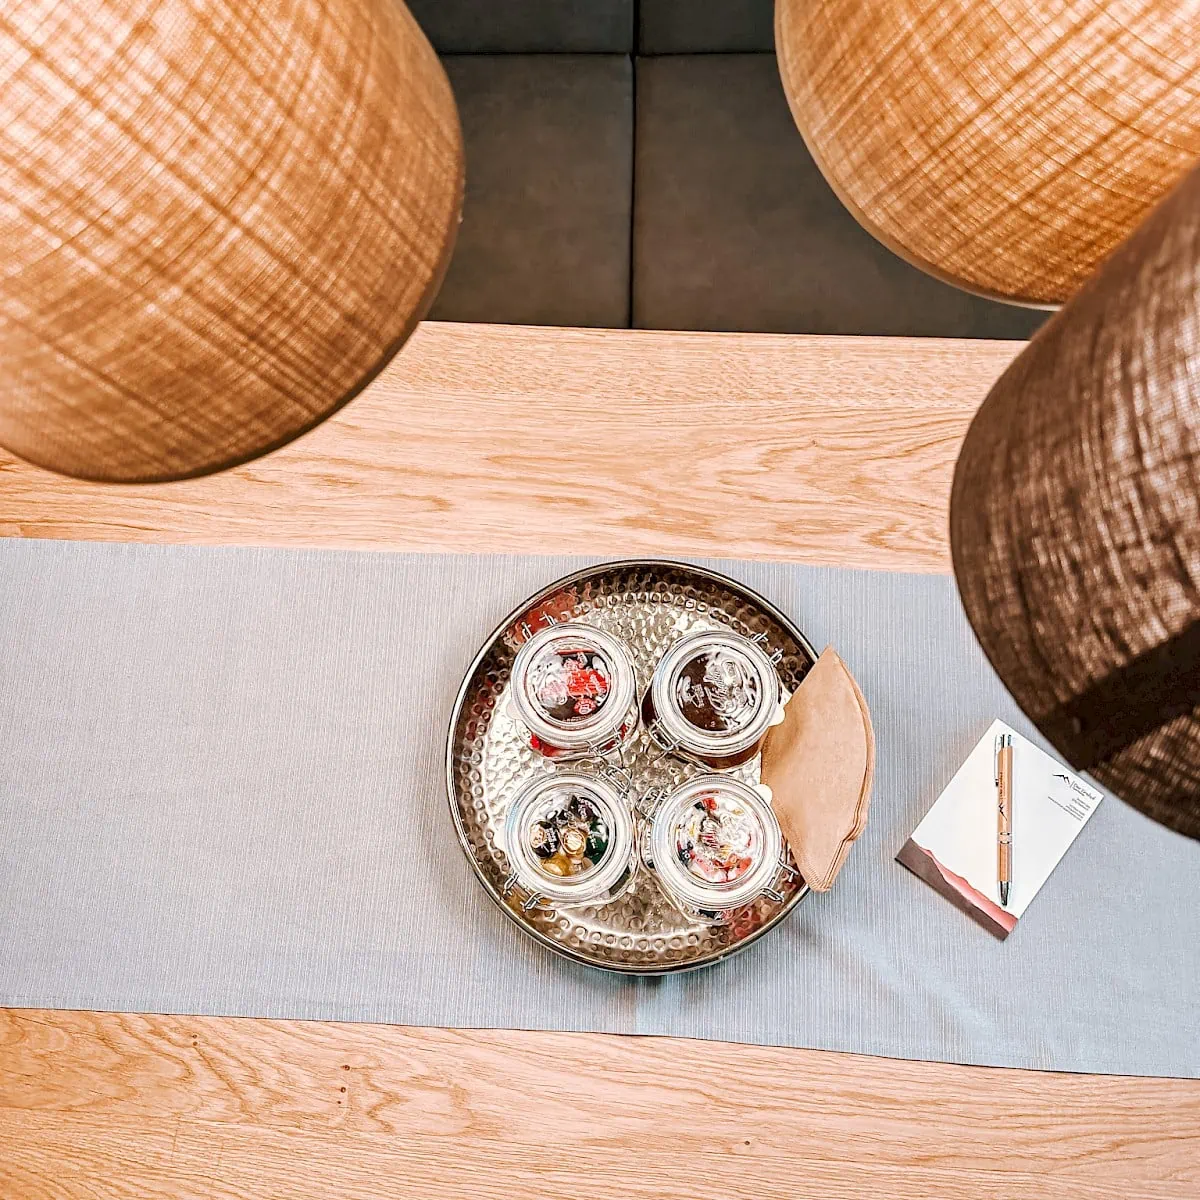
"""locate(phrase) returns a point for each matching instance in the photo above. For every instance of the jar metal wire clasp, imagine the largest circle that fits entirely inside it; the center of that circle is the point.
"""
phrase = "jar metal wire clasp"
(760, 639)
(511, 884)
(784, 871)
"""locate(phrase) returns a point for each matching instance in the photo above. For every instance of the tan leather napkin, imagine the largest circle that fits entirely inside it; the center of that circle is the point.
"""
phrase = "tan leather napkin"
(819, 764)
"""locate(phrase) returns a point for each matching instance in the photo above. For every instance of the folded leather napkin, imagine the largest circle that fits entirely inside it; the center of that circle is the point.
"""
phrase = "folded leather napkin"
(819, 764)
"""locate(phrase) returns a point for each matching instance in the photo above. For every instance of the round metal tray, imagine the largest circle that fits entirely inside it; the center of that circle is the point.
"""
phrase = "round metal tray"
(647, 603)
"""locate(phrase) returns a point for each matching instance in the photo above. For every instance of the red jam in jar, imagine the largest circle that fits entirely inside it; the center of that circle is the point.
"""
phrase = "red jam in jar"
(574, 689)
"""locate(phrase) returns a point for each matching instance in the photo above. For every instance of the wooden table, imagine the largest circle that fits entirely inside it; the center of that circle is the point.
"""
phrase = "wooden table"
(485, 438)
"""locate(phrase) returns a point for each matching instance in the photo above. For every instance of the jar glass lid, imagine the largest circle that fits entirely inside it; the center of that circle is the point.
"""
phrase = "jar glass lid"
(573, 685)
(715, 843)
(568, 837)
(715, 692)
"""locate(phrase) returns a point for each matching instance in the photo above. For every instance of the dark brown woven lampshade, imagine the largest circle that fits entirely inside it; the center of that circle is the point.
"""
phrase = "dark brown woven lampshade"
(1075, 521)
(218, 219)
(1003, 145)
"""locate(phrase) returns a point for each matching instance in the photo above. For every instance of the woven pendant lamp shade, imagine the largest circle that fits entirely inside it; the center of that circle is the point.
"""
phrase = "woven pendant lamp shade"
(1075, 521)
(1001, 145)
(218, 220)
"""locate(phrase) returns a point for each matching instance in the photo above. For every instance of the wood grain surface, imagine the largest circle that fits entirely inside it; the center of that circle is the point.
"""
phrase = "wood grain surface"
(95, 1104)
(479, 438)
(601, 442)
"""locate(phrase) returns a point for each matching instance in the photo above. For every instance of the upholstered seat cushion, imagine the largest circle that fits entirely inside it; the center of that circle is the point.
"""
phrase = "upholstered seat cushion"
(735, 228)
(527, 26)
(545, 232)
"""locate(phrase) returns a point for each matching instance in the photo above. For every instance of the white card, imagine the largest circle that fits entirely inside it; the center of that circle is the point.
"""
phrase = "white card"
(954, 849)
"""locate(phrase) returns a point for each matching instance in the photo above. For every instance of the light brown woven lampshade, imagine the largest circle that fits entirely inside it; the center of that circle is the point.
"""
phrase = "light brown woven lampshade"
(1002, 145)
(218, 220)
(1075, 521)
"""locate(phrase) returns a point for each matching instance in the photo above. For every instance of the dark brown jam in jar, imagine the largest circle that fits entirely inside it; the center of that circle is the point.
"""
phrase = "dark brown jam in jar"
(573, 687)
(712, 699)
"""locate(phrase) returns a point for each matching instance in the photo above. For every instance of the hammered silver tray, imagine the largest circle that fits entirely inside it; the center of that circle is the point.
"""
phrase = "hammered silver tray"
(647, 603)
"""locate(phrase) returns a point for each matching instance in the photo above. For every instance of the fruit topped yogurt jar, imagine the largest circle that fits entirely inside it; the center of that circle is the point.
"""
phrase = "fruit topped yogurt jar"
(574, 689)
(713, 696)
(714, 845)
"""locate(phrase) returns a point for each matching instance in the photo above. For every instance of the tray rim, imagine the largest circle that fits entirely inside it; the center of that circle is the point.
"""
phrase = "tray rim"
(448, 763)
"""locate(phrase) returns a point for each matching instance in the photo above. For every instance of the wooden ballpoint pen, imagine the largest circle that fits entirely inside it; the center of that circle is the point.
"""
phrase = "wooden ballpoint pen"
(1004, 800)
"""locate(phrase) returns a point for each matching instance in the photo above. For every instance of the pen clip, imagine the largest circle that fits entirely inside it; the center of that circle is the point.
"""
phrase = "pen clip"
(1003, 741)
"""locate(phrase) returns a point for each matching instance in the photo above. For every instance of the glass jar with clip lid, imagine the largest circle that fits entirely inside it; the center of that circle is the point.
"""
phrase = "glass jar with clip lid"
(712, 698)
(574, 689)
(714, 845)
(569, 839)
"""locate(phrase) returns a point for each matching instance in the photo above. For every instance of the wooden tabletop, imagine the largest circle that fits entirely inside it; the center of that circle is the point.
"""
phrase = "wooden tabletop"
(608, 443)
(488, 438)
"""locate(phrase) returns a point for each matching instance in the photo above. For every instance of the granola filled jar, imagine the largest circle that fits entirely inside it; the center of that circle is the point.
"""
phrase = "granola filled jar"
(713, 696)
(714, 845)
(569, 839)
(574, 689)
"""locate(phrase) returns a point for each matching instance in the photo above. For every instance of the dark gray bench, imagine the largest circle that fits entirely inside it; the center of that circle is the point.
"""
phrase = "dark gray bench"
(634, 163)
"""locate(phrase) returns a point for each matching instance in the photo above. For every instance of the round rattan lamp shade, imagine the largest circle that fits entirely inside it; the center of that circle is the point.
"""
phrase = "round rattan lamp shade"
(1002, 145)
(1075, 521)
(218, 220)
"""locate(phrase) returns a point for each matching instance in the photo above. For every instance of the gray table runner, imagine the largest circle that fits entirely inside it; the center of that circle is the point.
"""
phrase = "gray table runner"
(218, 795)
